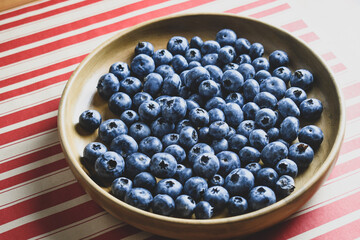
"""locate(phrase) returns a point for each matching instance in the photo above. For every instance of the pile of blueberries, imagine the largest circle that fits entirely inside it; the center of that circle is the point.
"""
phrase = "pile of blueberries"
(203, 127)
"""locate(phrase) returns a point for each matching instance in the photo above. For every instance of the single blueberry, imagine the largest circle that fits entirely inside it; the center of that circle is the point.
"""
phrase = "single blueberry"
(165, 70)
(109, 166)
(265, 118)
(144, 48)
(253, 167)
(216, 180)
(239, 182)
(273, 134)
(302, 78)
(150, 145)
(302, 154)
(284, 186)
(142, 65)
(215, 102)
(195, 187)
(193, 54)
(237, 142)
(296, 94)
(265, 100)
(228, 161)
(163, 204)
(261, 75)
(181, 124)
(209, 59)
(232, 80)
(107, 85)
(174, 109)
(260, 63)
(204, 135)
(237, 205)
(260, 197)
(278, 58)
(311, 135)
(139, 131)
(124, 145)
(111, 128)
(216, 114)
(120, 69)
(208, 88)
(235, 97)
(289, 129)
(153, 84)
(242, 45)
(226, 54)
(149, 111)
(120, 187)
(287, 108)
(163, 165)
(206, 165)
(92, 151)
(203, 210)
(199, 117)
(210, 46)
(160, 127)
(250, 88)
(169, 186)
(258, 139)
(246, 70)
(145, 180)
(177, 45)
(171, 85)
(249, 155)
(246, 127)
(218, 129)
(267, 177)
(182, 173)
(250, 109)
(287, 167)
(90, 120)
(161, 57)
(256, 50)
(129, 117)
(215, 73)
(178, 152)
(139, 197)
(170, 139)
(196, 42)
(179, 63)
(243, 58)
(188, 137)
(119, 102)
(217, 196)
(136, 163)
(311, 109)
(226, 37)
(184, 206)
(275, 86)
(220, 145)
(283, 73)
(233, 114)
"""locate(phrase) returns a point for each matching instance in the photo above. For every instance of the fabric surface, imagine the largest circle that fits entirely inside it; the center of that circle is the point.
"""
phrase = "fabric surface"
(40, 46)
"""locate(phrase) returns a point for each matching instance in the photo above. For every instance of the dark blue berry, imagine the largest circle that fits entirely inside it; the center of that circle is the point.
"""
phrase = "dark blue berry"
(90, 120)
(163, 165)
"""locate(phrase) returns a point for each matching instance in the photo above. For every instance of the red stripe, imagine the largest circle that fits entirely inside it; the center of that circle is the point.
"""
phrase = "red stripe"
(347, 232)
(353, 112)
(249, 6)
(28, 130)
(338, 68)
(28, 75)
(350, 145)
(271, 11)
(53, 222)
(30, 112)
(328, 56)
(29, 9)
(351, 91)
(41, 202)
(117, 233)
(49, 47)
(309, 37)
(77, 24)
(35, 86)
(34, 173)
(345, 167)
(44, 15)
(30, 158)
(312, 219)
(295, 26)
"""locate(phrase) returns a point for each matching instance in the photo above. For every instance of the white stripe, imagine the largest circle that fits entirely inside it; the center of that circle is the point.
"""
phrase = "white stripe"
(44, 213)
(348, 156)
(339, 222)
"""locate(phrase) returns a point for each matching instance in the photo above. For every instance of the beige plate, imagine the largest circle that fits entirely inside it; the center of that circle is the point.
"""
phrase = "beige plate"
(80, 94)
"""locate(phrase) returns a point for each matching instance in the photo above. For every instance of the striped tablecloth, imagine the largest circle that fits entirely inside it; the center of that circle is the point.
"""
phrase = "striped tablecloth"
(40, 46)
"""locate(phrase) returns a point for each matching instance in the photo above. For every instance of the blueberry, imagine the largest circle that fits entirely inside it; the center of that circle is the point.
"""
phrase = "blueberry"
(197, 150)
(267, 177)
(233, 114)
(111, 128)
(249, 155)
(181, 124)
(192, 65)
(197, 98)
(179, 63)
(215, 73)
(208, 88)
(199, 117)
(216, 114)
(174, 109)
(149, 110)
(237, 142)
(287, 107)
(311, 135)
(120, 187)
(311, 109)
(228, 161)
(302, 154)
(144, 48)
(215, 102)
(261, 75)
(136, 163)
(170, 139)
(283, 73)
(235, 97)
(129, 117)
(302, 78)
(160, 127)
(239, 182)
(130, 85)
(217, 196)
(203, 210)
(232, 80)
(92, 151)
(260, 197)
(188, 137)
(265, 118)
(169, 186)
(195, 187)
(209, 59)
(220, 145)
(145, 180)
(142, 65)
(120, 69)
(124, 145)
(184, 206)
(193, 54)
(119, 102)
(139, 98)
(242, 45)
(237, 205)
(162, 56)
(109, 166)
(165, 70)
(246, 70)
(178, 45)
(218, 129)
(273, 134)
(296, 94)
(289, 129)
(163, 204)
(284, 186)
(253, 167)
(226, 37)
(258, 139)
(230, 66)
(204, 135)
(287, 167)
(226, 54)
(139, 131)
(150, 145)
(256, 50)
(182, 173)
(196, 42)
(178, 152)
(139, 197)
(171, 85)
(107, 85)
(275, 86)
(90, 120)
(185, 92)
(243, 58)
(251, 87)
(163, 165)
(206, 165)
(260, 63)
(278, 58)
(210, 46)
(216, 180)
(250, 109)
(231, 132)
(161, 100)
(265, 100)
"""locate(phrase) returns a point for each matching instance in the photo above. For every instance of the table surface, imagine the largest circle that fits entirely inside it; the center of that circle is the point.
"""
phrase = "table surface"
(41, 43)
